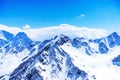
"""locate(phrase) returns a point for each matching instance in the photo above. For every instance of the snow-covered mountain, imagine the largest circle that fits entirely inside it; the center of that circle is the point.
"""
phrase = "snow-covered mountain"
(62, 53)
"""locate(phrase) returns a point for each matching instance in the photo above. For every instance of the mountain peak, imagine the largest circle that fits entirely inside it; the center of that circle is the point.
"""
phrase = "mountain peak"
(115, 34)
(113, 39)
(19, 43)
(22, 38)
(21, 34)
(6, 35)
(61, 39)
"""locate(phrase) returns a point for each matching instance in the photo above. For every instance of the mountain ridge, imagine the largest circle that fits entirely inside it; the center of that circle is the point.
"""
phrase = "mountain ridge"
(53, 54)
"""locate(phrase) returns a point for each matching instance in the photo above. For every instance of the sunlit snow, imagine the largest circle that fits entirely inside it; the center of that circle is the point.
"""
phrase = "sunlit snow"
(98, 64)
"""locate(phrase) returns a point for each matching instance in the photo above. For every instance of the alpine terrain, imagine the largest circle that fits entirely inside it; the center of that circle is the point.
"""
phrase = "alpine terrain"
(64, 52)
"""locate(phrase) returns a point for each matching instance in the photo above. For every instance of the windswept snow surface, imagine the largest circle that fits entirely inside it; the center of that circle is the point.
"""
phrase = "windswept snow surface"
(11, 61)
(99, 65)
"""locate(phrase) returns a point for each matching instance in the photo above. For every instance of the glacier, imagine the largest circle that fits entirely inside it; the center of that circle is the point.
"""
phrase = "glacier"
(63, 52)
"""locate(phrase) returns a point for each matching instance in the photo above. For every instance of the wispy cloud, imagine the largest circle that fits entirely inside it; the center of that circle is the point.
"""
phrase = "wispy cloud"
(81, 16)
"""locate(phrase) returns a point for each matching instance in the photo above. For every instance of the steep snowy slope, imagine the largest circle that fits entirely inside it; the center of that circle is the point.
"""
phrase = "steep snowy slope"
(5, 37)
(51, 60)
(98, 64)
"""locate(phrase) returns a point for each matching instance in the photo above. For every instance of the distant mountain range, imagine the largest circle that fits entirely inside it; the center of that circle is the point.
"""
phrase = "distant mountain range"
(60, 57)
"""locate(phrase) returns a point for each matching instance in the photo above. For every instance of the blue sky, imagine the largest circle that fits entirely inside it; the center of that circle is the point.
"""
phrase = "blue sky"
(39, 13)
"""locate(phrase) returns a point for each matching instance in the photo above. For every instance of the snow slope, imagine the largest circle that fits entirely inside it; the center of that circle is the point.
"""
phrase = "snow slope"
(98, 64)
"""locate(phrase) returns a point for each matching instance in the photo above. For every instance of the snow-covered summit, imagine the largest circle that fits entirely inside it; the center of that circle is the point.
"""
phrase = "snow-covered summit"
(6, 35)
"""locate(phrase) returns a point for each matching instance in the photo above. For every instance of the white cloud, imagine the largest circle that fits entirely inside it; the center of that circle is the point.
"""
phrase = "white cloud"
(26, 26)
(80, 16)
(13, 30)
(49, 32)
(69, 30)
